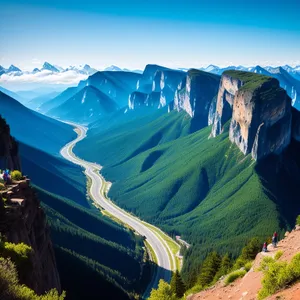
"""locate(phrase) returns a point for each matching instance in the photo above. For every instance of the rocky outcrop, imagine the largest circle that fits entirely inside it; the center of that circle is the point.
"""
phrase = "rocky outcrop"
(9, 157)
(212, 110)
(23, 220)
(260, 113)
(223, 108)
(156, 88)
(261, 125)
(195, 95)
(150, 74)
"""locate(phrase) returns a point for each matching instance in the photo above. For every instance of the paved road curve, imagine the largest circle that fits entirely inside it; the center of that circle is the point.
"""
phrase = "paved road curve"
(92, 171)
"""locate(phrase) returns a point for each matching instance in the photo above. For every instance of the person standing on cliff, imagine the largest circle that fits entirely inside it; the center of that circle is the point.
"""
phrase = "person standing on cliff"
(5, 177)
(265, 247)
(275, 239)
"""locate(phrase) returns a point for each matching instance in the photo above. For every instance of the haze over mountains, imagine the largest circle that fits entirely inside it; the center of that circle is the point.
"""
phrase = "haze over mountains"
(47, 67)
(157, 87)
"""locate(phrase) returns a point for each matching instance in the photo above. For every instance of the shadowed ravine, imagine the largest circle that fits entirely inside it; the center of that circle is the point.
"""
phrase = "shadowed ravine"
(164, 256)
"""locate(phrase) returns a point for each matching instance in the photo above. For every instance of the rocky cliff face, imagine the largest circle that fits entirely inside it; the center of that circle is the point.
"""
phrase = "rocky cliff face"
(150, 77)
(160, 84)
(23, 220)
(139, 100)
(195, 95)
(9, 157)
(260, 113)
(223, 107)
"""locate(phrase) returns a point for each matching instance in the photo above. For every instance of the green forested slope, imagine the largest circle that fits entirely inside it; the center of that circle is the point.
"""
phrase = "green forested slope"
(202, 188)
(109, 255)
(128, 139)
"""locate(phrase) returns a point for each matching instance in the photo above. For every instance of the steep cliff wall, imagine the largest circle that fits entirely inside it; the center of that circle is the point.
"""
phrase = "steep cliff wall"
(8, 148)
(195, 95)
(223, 107)
(139, 100)
(150, 74)
(260, 113)
(23, 220)
(160, 84)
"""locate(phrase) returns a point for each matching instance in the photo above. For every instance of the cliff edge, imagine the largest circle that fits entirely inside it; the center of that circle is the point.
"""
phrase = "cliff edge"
(22, 220)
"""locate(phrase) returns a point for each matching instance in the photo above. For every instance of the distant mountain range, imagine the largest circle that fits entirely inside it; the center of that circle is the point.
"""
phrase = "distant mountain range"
(88, 70)
(51, 68)
(106, 92)
(47, 68)
(294, 71)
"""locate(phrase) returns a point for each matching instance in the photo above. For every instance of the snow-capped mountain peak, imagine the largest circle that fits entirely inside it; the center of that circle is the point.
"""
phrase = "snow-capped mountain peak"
(211, 68)
(82, 69)
(112, 68)
(49, 67)
(13, 68)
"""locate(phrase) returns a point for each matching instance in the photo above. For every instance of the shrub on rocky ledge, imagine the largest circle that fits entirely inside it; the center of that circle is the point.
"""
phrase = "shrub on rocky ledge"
(234, 275)
(18, 253)
(16, 175)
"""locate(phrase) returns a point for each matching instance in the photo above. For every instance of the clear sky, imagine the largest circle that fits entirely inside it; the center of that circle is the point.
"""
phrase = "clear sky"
(132, 33)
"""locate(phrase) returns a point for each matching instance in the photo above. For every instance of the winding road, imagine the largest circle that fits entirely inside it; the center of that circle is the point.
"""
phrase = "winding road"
(162, 252)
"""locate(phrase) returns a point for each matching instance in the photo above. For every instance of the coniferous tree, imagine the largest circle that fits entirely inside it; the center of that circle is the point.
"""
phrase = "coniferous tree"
(250, 251)
(209, 269)
(224, 267)
(177, 285)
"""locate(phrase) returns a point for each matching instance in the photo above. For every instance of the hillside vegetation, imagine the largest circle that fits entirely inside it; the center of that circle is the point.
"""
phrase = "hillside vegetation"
(203, 189)
(34, 129)
(109, 256)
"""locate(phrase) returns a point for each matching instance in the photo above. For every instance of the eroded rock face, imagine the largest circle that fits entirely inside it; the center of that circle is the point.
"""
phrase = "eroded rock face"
(228, 87)
(260, 113)
(156, 88)
(150, 74)
(23, 220)
(212, 110)
(9, 157)
(196, 94)
(139, 100)
(261, 120)
(27, 223)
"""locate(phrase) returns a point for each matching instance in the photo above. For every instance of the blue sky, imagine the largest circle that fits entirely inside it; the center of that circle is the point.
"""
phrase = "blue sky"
(132, 33)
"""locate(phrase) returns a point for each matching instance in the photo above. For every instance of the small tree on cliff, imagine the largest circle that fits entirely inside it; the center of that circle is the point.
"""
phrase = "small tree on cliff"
(225, 267)
(177, 285)
(249, 252)
(209, 269)
(163, 292)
